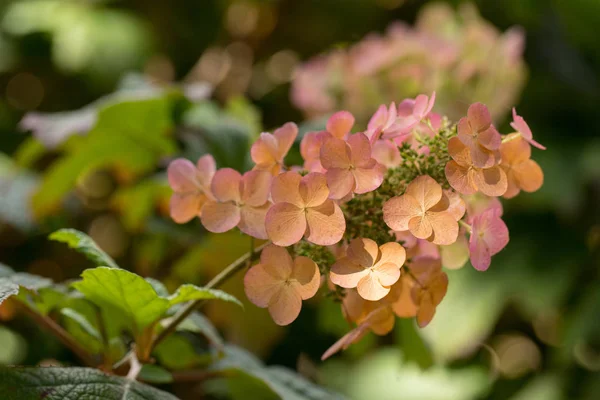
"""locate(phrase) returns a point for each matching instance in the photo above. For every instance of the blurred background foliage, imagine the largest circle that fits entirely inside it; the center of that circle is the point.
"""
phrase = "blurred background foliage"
(96, 96)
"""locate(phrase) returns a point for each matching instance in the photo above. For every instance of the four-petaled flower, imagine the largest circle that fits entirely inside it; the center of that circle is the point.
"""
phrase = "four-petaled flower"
(302, 207)
(269, 150)
(481, 137)
(369, 268)
(350, 167)
(521, 126)
(429, 289)
(191, 187)
(424, 210)
(466, 178)
(522, 172)
(241, 201)
(411, 112)
(280, 283)
(489, 235)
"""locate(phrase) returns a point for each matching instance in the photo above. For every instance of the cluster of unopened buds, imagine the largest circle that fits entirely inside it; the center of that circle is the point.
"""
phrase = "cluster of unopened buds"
(373, 216)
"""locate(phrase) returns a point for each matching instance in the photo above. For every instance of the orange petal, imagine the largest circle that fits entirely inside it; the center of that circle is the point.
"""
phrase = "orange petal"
(264, 150)
(360, 150)
(383, 321)
(363, 251)
(260, 286)
(226, 185)
(445, 227)
(387, 273)
(491, 181)
(341, 182)
(277, 262)
(529, 175)
(438, 287)
(346, 273)
(515, 151)
(184, 207)
(285, 224)
(420, 227)
(404, 306)
(512, 183)
(256, 186)
(345, 341)
(313, 189)
(425, 190)
(392, 252)
(340, 123)
(368, 179)
(482, 157)
(370, 288)
(425, 312)
(306, 273)
(326, 224)
(398, 210)
(459, 152)
(459, 178)
(285, 305)
(457, 206)
(220, 217)
(335, 153)
(285, 138)
(252, 220)
(286, 189)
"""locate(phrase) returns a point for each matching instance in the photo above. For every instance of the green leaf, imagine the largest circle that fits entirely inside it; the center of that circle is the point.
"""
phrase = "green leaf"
(11, 282)
(198, 323)
(191, 292)
(80, 320)
(176, 352)
(135, 297)
(71, 384)
(29, 152)
(413, 347)
(155, 374)
(84, 244)
(276, 379)
(7, 289)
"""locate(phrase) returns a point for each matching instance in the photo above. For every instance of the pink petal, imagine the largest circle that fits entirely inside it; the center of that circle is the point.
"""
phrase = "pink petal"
(360, 150)
(459, 178)
(398, 210)
(308, 278)
(182, 176)
(425, 190)
(310, 145)
(184, 207)
(285, 224)
(220, 217)
(347, 273)
(265, 150)
(313, 189)
(494, 230)
(285, 139)
(386, 153)
(340, 123)
(368, 179)
(285, 306)
(456, 206)
(286, 189)
(521, 126)
(479, 253)
(326, 224)
(206, 170)
(378, 119)
(252, 220)
(420, 106)
(277, 262)
(260, 286)
(406, 107)
(341, 182)
(335, 153)
(445, 228)
(479, 117)
(369, 288)
(482, 158)
(465, 132)
(256, 186)
(226, 185)
(490, 138)
(491, 181)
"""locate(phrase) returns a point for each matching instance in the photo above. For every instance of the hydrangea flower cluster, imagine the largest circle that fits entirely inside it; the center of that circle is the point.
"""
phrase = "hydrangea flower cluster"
(456, 52)
(373, 217)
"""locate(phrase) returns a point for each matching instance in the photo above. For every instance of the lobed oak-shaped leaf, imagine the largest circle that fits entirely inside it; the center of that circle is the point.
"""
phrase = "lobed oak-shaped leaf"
(84, 244)
(72, 384)
(135, 297)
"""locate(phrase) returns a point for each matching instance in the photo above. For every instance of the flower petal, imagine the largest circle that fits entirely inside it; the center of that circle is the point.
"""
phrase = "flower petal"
(260, 286)
(445, 227)
(404, 306)
(184, 207)
(425, 190)
(286, 189)
(264, 150)
(335, 153)
(285, 306)
(226, 185)
(183, 176)
(326, 224)
(479, 253)
(285, 224)
(491, 181)
(346, 273)
(252, 220)
(420, 226)
(398, 211)
(313, 189)
(391, 252)
(482, 157)
(490, 138)
(220, 217)
(341, 182)
(459, 178)
(363, 251)
(306, 272)
(256, 186)
(387, 273)
(479, 117)
(285, 138)
(360, 150)
(370, 288)
(368, 179)
(340, 124)
(277, 262)
(206, 170)
(529, 175)
(459, 152)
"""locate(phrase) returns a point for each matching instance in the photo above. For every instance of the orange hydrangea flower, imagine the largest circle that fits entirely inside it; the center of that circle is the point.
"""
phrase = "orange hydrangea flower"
(424, 210)
(269, 150)
(280, 283)
(481, 137)
(302, 207)
(429, 289)
(466, 178)
(522, 172)
(350, 167)
(241, 201)
(369, 268)
(191, 187)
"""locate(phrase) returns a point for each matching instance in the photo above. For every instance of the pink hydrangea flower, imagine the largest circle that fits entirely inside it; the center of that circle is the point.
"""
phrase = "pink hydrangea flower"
(340, 124)
(481, 137)
(411, 112)
(269, 150)
(383, 122)
(302, 207)
(191, 187)
(521, 126)
(489, 235)
(386, 153)
(241, 201)
(350, 167)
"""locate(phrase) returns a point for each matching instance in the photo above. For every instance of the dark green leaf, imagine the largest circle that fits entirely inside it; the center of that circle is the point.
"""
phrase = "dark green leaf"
(413, 347)
(155, 374)
(80, 320)
(84, 244)
(191, 292)
(198, 323)
(72, 384)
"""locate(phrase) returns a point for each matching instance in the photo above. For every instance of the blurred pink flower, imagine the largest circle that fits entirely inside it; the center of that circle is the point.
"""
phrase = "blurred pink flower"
(489, 235)
(191, 187)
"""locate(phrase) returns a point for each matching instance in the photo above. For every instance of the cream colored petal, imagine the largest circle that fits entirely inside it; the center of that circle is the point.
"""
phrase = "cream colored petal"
(425, 190)
(398, 210)
(307, 276)
(370, 288)
(347, 273)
